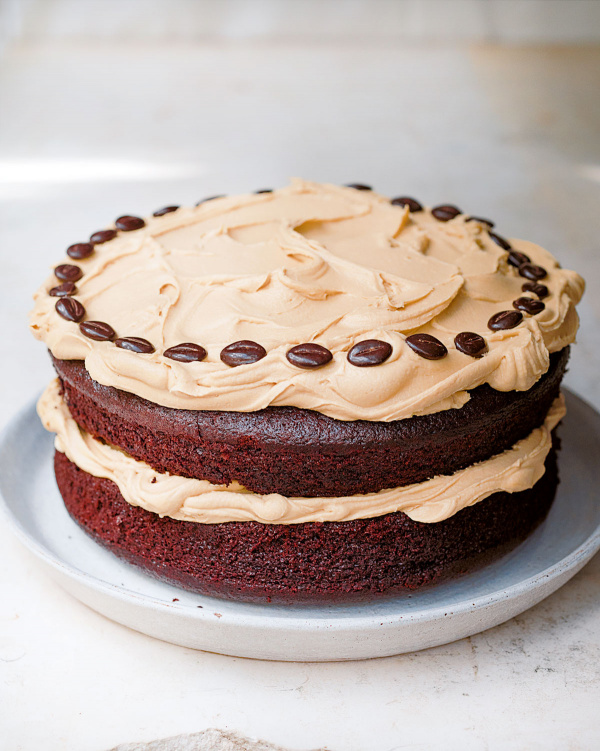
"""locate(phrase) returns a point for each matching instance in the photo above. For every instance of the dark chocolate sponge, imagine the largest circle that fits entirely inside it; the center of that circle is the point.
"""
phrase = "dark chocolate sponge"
(325, 561)
(298, 452)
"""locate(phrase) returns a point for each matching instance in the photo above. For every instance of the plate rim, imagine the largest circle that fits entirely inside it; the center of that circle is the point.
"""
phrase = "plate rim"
(295, 620)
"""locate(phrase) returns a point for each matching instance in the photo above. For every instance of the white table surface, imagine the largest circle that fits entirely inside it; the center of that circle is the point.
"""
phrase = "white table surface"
(91, 131)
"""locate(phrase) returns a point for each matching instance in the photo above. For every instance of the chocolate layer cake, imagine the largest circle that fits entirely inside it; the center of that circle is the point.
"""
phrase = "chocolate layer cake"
(311, 393)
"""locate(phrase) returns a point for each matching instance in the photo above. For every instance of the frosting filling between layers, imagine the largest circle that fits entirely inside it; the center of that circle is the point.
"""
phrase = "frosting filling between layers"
(192, 500)
(309, 263)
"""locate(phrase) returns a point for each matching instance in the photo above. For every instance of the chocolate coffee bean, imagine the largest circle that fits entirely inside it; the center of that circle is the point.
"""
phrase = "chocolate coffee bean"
(504, 244)
(533, 272)
(369, 352)
(210, 198)
(470, 343)
(506, 319)
(515, 258)
(445, 212)
(186, 352)
(165, 210)
(80, 250)
(528, 305)
(103, 236)
(63, 290)
(243, 352)
(70, 309)
(481, 220)
(538, 289)
(67, 272)
(263, 190)
(135, 344)
(427, 346)
(412, 203)
(129, 223)
(359, 186)
(97, 330)
(309, 355)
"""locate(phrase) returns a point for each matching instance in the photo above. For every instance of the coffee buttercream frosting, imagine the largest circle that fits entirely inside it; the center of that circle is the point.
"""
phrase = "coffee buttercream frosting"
(186, 499)
(310, 263)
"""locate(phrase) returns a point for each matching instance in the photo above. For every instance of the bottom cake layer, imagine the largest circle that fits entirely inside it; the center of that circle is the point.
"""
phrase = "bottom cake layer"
(311, 562)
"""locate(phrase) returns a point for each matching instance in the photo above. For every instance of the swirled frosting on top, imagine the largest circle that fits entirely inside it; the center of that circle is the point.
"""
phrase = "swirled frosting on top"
(310, 263)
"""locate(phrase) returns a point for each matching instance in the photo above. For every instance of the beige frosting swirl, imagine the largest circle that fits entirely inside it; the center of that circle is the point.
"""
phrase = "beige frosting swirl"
(308, 263)
(186, 499)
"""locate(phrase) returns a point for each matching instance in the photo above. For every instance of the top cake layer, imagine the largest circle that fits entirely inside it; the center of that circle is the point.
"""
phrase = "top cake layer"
(309, 263)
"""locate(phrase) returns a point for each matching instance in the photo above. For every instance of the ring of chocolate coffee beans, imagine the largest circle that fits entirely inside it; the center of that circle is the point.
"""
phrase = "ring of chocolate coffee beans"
(310, 355)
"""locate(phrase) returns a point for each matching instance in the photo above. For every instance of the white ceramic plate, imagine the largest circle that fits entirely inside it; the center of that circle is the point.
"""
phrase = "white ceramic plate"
(551, 556)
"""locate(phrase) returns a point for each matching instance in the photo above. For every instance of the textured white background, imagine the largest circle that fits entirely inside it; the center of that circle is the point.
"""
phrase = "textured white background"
(116, 107)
